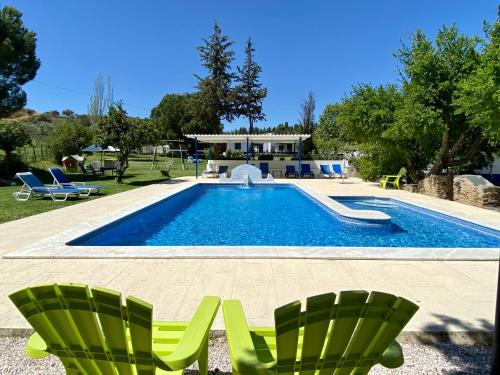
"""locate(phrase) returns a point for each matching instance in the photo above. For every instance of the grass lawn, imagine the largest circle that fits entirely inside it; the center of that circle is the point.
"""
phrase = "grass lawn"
(138, 174)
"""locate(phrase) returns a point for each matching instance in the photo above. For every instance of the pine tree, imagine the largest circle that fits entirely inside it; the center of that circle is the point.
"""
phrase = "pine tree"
(249, 92)
(18, 61)
(215, 89)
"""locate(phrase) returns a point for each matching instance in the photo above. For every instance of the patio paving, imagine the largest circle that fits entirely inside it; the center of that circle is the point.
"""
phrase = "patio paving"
(454, 296)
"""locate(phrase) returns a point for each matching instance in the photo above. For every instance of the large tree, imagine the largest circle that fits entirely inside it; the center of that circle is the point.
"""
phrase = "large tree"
(216, 96)
(18, 61)
(328, 138)
(173, 114)
(68, 138)
(180, 114)
(367, 117)
(12, 135)
(100, 100)
(307, 121)
(249, 92)
(479, 94)
(433, 74)
(126, 134)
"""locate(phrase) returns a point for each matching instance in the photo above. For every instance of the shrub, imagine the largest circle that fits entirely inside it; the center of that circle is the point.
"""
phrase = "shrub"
(265, 157)
(234, 155)
(209, 153)
(368, 169)
(69, 139)
(13, 135)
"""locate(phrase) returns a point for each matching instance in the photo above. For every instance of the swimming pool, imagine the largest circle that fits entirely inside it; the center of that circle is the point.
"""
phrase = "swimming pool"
(280, 215)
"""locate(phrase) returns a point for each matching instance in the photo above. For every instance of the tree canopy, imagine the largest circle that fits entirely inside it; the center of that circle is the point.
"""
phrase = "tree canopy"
(249, 93)
(68, 138)
(12, 136)
(126, 134)
(18, 61)
(444, 117)
(216, 96)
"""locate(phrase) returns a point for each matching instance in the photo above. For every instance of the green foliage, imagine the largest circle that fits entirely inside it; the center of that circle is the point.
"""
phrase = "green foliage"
(377, 161)
(445, 114)
(433, 74)
(265, 157)
(478, 96)
(328, 138)
(173, 114)
(68, 138)
(216, 97)
(249, 92)
(18, 62)
(68, 113)
(12, 135)
(234, 155)
(209, 153)
(125, 133)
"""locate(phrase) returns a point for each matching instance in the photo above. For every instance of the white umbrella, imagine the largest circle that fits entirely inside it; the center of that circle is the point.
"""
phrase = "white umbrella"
(93, 148)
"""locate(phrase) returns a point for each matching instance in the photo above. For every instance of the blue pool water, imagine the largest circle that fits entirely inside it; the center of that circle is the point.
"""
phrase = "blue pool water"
(280, 215)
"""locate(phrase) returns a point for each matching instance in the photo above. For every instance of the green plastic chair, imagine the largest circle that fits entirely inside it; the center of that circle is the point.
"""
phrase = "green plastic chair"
(93, 333)
(392, 179)
(347, 337)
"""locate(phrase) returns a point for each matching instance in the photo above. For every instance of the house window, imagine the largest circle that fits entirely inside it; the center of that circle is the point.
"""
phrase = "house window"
(237, 146)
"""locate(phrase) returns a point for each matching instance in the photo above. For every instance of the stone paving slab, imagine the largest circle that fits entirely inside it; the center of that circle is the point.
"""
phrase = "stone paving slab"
(453, 296)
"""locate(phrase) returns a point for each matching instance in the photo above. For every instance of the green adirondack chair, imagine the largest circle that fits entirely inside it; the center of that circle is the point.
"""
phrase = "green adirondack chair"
(392, 179)
(93, 333)
(347, 337)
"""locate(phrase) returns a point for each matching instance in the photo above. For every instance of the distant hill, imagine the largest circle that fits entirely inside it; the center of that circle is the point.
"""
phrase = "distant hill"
(23, 114)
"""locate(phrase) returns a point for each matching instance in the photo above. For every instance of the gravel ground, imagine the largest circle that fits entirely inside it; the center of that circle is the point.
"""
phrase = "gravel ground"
(445, 359)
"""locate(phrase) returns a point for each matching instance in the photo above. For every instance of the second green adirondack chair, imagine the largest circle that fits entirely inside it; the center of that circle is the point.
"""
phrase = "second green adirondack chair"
(347, 337)
(392, 179)
(93, 333)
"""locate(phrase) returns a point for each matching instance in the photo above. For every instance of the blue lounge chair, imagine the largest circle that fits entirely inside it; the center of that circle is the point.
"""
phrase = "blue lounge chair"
(264, 168)
(326, 171)
(192, 159)
(63, 181)
(337, 170)
(306, 171)
(212, 173)
(33, 187)
(222, 169)
(290, 171)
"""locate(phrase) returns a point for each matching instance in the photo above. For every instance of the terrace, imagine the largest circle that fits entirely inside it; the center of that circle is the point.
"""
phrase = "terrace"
(456, 296)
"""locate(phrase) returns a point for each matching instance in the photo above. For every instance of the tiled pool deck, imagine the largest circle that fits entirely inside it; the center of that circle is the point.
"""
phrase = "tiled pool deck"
(453, 295)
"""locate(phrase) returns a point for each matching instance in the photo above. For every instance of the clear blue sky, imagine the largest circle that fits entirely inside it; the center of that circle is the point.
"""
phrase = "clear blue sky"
(149, 47)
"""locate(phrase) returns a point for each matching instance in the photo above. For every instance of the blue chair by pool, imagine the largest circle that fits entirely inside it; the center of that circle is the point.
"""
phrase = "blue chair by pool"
(337, 170)
(222, 169)
(306, 171)
(61, 180)
(326, 171)
(290, 171)
(264, 167)
(34, 187)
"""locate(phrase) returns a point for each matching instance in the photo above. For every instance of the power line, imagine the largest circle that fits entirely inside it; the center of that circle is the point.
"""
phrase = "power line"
(83, 93)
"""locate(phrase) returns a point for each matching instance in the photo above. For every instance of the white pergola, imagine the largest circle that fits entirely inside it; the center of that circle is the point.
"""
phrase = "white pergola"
(249, 138)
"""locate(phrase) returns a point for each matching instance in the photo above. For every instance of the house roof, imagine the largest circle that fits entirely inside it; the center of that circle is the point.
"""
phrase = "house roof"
(256, 138)
(76, 157)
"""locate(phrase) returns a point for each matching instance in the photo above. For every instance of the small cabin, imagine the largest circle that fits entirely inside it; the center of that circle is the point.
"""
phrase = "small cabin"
(70, 163)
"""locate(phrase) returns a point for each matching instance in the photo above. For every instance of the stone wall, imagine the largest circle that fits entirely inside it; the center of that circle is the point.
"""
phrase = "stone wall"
(476, 191)
(440, 186)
